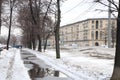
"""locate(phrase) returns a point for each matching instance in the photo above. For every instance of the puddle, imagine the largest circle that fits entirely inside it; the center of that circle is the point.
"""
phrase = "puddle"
(39, 71)
(86, 49)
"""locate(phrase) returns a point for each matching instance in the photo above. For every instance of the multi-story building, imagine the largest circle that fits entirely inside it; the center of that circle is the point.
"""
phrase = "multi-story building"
(89, 32)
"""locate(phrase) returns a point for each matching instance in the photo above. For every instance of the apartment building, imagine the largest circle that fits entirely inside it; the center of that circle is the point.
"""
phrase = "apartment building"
(89, 32)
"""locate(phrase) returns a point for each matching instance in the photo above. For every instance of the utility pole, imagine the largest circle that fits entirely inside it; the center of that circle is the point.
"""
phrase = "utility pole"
(109, 25)
(93, 37)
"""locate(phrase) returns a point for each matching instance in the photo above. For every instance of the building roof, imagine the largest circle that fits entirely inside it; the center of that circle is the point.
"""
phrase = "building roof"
(87, 20)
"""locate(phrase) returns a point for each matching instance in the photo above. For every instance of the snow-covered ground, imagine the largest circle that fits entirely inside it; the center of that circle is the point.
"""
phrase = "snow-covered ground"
(86, 63)
(81, 64)
(11, 66)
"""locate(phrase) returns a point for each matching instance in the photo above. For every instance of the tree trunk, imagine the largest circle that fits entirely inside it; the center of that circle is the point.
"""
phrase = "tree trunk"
(105, 40)
(32, 14)
(57, 44)
(0, 14)
(45, 45)
(39, 45)
(8, 40)
(116, 71)
(29, 45)
(57, 31)
(33, 44)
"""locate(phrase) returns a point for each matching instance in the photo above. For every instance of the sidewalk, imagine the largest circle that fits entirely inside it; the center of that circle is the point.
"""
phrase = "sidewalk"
(12, 67)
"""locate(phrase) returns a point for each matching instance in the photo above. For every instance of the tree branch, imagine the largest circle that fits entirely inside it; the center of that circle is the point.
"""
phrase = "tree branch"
(31, 10)
(113, 2)
(47, 11)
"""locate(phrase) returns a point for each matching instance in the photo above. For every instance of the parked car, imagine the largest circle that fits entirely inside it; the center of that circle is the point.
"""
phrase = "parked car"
(17, 46)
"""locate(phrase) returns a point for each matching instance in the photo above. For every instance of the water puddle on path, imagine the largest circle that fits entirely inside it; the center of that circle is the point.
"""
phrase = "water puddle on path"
(37, 71)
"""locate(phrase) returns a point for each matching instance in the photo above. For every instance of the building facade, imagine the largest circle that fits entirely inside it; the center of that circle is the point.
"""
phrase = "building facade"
(89, 32)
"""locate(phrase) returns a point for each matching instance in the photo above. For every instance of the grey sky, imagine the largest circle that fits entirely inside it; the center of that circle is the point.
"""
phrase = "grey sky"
(77, 10)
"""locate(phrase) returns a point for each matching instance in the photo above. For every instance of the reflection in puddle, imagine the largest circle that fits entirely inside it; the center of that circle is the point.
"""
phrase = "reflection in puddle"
(39, 73)
(36, 71)
(56, 73)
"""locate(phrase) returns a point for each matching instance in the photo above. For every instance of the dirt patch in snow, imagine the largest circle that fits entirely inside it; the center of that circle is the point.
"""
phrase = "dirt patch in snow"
(99, 55)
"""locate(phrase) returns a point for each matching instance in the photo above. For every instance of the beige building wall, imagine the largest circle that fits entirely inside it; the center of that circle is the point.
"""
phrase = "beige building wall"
(89, 32)
(51, 41)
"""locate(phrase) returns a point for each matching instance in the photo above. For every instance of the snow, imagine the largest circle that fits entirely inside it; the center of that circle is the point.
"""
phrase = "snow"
(12, 67)
(86, 63)
(78, 64)
(52, 78)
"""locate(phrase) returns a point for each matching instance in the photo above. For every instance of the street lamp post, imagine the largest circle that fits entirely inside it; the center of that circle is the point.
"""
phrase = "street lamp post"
(109, 26)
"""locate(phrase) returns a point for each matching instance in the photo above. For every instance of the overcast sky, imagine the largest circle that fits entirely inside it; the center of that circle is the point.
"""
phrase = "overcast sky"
(77, 10)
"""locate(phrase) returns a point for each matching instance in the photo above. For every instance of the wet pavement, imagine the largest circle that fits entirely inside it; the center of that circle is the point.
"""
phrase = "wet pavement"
(38, 70)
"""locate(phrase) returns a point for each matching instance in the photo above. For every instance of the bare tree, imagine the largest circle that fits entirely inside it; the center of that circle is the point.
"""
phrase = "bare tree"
(3, 39)
(116, 70)
(13, 40)
(39, 12)
(0, 13)
(26, 25)
(12, 2)
(57, 27)
(35, 14)
(49, 29)
(40, 22)
(1, 10)
(46, 22)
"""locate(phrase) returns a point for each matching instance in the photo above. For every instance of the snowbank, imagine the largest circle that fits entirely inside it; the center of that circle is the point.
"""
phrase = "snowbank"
(12, 67)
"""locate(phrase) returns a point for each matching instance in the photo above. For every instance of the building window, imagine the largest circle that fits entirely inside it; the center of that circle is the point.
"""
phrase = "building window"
(92, 26)
(92, 21)
(85, 32)
(77, 25)
(97, 35)
(77, 29)
(62, 33)
(87, 24)
(96, 24)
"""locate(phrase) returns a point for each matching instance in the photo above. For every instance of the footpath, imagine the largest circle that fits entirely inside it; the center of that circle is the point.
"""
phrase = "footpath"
(12, 67)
